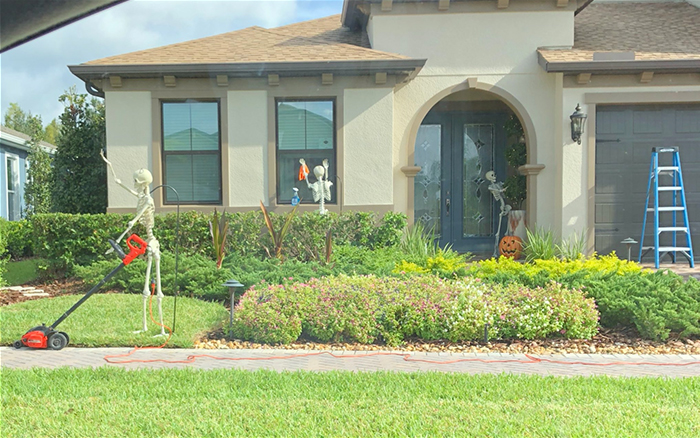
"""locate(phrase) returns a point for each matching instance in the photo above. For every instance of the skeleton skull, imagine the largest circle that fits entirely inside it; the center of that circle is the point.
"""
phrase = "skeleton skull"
(319, 171)
(491, 176)
(142, 177)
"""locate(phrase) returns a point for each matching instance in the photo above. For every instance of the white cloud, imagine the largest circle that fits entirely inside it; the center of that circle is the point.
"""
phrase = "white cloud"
(35, 74)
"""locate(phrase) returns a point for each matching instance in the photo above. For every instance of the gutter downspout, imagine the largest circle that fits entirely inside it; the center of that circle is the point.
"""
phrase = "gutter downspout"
(93, 90)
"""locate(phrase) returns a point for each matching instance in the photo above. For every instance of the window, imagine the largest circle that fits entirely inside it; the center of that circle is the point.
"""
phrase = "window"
(192, 151)
(13, 196)
(305, 129)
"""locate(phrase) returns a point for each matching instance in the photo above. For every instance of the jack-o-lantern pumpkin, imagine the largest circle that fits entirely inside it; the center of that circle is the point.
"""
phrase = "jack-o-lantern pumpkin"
(511, 247)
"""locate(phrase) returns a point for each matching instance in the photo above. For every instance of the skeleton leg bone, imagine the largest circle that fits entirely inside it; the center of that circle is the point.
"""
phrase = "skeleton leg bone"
(146, 292)
(159, 292)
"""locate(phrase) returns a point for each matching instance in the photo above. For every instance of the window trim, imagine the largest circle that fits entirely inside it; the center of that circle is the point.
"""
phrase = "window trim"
(10, 157)
(164, 153)
(334, 164)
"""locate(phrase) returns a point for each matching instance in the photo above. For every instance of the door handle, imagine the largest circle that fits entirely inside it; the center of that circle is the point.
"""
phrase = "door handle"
(447, 206)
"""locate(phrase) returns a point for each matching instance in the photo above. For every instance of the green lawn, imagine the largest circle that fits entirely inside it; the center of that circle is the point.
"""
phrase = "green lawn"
(188, 403)
(21, 272)
(110, 319)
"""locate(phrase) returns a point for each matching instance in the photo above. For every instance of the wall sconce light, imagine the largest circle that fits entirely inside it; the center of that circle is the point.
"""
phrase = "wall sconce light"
(578, 124)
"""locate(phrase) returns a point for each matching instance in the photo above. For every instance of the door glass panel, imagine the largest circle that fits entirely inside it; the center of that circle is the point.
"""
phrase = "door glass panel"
(478, 158)
(426, 184)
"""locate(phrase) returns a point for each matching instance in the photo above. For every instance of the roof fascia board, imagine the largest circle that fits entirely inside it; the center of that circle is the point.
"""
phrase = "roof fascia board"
(620, 67)
(12, 141)
(345, 68)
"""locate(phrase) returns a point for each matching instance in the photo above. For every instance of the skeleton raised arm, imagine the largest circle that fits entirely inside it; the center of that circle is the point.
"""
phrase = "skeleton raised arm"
(145, 212)
(114, 174)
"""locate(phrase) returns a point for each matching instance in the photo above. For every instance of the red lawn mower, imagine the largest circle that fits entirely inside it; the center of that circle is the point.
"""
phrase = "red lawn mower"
(48, 337)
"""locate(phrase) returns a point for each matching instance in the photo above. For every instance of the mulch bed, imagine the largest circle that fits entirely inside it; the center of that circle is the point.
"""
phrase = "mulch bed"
(605, 342)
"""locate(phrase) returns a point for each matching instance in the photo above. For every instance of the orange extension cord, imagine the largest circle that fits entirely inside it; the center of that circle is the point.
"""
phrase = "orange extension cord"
(405, 356)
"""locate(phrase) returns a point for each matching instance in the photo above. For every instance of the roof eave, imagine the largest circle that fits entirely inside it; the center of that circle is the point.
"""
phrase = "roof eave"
(621, 67)
(252, 69)
(14, 141)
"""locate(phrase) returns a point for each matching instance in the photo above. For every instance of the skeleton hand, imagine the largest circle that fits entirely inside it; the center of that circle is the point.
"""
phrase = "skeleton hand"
(109, 164)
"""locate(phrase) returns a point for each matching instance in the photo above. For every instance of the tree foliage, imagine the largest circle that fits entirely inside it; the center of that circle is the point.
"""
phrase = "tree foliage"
(37, 190)
(80, 179)
(25, 122)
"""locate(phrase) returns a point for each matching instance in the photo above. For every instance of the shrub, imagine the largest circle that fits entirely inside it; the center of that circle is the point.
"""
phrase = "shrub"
(574, 273)
(18, 238)
(65, 239)
(367, 308)
(268, 314)
(252, 270)
(197, 276)
(68, 239)
(3, 250)
(656, 304)
(346, 259)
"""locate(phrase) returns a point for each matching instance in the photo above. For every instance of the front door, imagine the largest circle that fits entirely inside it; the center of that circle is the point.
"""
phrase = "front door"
(455, 150)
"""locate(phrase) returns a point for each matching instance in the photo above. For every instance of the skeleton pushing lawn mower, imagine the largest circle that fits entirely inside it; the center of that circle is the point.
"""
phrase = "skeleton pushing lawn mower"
(48, 337)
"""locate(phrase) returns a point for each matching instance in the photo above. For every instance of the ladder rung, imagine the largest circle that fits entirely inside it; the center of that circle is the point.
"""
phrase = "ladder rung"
(669, 188)
(668, 209)
(667, 168)
(662, 229)
(673, 248)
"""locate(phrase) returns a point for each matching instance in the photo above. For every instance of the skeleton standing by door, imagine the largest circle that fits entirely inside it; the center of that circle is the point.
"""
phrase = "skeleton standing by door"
(145, 211)
(496, 189)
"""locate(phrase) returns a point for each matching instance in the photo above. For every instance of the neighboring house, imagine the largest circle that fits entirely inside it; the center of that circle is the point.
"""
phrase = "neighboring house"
(14, 148)
(407, 100)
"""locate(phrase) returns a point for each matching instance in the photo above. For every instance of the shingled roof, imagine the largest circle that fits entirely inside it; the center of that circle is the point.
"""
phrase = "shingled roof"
(642, 33)
(316, 40)
(321, 45)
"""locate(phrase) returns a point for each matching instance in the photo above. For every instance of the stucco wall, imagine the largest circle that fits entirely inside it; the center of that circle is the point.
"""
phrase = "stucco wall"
(497, 51)
(370, 162)
(248, 142)
(129, 139)
(495, 42)
(577, 161)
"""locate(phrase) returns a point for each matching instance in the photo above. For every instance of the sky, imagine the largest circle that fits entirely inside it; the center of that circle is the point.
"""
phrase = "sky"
(35, 74)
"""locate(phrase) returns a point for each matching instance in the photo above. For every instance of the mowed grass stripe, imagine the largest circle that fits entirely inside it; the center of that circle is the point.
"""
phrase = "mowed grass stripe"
(116, 402)
(109, 320)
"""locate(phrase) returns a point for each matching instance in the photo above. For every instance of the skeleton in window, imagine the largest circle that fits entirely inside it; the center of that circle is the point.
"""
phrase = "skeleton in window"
(145, 211)
(496, 189)
(321, 189)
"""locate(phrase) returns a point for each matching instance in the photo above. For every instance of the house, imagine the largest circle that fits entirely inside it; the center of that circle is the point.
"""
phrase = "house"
(14, 148)
(408, 100)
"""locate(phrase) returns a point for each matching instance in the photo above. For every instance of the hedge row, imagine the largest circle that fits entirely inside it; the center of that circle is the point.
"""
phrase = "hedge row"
(655, 303)
(67, 239)
(369, 309)
(3, 248)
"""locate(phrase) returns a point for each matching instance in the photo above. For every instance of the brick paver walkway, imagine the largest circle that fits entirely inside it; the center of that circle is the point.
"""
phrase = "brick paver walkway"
(361, 361)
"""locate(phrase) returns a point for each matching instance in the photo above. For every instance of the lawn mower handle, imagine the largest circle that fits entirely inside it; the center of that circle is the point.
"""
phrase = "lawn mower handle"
(136, 246)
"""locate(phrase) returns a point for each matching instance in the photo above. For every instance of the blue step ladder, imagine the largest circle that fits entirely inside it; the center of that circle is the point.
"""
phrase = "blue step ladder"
(678, 205)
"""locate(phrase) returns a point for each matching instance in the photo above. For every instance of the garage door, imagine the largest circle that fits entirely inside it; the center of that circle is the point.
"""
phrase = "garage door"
(624, 138)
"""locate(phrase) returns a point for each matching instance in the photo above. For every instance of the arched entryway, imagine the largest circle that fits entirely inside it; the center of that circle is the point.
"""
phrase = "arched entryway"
(462, 137)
